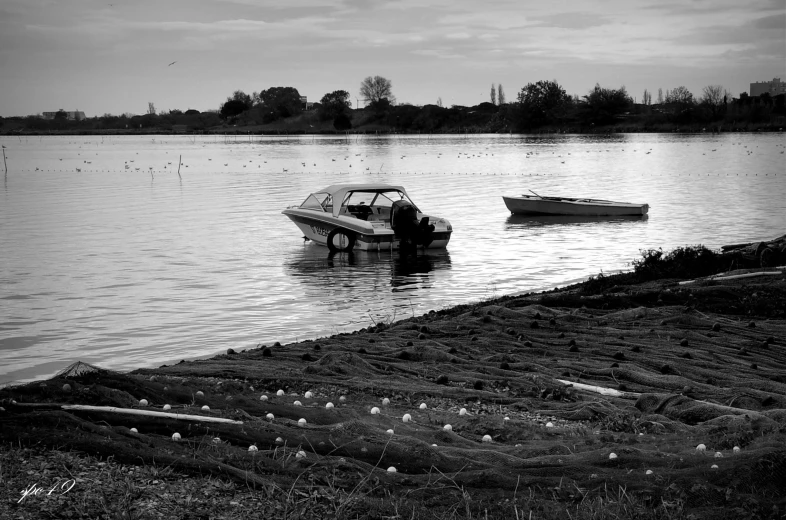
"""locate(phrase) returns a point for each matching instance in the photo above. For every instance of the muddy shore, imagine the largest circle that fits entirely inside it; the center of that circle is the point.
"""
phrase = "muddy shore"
(662, 399)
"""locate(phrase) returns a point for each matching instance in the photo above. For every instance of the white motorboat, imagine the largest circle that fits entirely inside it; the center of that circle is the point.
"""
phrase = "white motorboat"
(344, 217)
(537, 205)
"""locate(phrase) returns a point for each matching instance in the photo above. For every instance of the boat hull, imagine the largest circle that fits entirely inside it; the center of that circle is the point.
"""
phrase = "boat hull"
(530, 205)
(369, 236)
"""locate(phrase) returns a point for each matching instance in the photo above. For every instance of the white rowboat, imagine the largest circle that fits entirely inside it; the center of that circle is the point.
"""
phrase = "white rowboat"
(537, 205)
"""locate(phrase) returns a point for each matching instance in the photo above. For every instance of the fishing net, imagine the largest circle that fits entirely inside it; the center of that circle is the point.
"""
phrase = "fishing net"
(513, 379)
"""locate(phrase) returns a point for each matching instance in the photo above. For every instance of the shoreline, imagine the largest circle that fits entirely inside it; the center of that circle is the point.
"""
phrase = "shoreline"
(559, 380)
(304, 131)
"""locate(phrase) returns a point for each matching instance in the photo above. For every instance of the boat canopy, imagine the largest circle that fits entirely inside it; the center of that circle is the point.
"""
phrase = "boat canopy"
(338, 194)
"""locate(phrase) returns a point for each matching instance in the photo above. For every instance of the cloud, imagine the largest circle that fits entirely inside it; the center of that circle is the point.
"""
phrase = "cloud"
(775, 21)
(574, 20)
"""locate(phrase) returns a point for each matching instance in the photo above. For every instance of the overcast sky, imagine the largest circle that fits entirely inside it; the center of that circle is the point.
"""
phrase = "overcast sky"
(113, 56)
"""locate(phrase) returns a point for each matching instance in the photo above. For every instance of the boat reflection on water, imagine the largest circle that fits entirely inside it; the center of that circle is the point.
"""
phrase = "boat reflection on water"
(525, 221)
(365, 273)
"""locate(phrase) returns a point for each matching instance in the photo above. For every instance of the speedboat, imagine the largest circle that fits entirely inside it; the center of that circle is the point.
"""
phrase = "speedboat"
(537, 205)
(344, 217)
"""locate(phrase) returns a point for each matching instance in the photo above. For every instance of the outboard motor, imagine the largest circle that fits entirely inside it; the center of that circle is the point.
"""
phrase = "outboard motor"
(404, 222)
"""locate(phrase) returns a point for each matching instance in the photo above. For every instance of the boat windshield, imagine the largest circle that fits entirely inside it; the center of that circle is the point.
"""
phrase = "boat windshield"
(318, 201)
(376, 198)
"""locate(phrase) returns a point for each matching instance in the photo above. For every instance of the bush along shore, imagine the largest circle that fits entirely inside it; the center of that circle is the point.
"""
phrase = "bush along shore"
(658, 393)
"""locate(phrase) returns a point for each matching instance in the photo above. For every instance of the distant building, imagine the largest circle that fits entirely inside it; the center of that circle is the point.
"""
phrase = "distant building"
(774, 87)
(71, 116)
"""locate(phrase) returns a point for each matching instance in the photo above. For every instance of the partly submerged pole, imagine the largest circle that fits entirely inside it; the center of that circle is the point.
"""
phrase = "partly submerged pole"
(178, 166)
(4, 163)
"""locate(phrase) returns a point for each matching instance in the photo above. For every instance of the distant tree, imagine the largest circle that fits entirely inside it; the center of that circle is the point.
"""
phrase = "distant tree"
(603, 105)
(151, 108)
(542, 103)
(681, 96)
(646, 99)
(280, 102)
(333, 104)
(493, 94)
(242, 97)
(175, 112)
(192, 112)
(660, 96)
(375, 89)
(439, 102)
(500, 94)
(713, 97)
(342, 122)
(380, 107)
(232, 108)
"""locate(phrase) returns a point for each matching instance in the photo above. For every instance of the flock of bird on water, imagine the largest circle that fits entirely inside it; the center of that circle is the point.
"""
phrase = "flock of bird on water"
(461, 155)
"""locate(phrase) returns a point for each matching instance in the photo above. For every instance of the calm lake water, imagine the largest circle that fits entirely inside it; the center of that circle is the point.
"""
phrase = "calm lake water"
(108, 256)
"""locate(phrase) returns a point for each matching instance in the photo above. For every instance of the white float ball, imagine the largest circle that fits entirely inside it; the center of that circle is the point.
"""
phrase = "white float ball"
(66, 387)
(736, 449)
(263, 398)
(463, 411)
(216, 440)
(301, 454)
(506, 419)
(701, 447)
(329, 406)
(167, 407)
(200, 393)
(487, 438)
(279, 440)
(175, 436)
(143, 402)
(612, 456)
(134, 430)
(342, 399)
(718, 455)
(406, 417)
(253, 448)
(391, 469)
(549, 424)
(385, 401)
(270, 417)
(205, 408)
(308, 395)
(390, 431)
(714, 466)
(280, 393)
(423, 406)
(648, 472)
(297, 403)
(434, 445)
(301, 422)
(374, 411)
(448, 428)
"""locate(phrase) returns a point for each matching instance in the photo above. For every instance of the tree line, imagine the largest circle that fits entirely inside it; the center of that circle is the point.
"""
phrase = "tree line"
(538, 106)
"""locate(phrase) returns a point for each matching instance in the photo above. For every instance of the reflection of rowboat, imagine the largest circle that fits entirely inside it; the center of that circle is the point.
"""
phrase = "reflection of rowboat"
(533, 221)
(537, 205)
(344, 217)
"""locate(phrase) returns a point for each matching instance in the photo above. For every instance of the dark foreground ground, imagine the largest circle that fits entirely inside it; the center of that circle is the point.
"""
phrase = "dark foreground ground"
(692, 365)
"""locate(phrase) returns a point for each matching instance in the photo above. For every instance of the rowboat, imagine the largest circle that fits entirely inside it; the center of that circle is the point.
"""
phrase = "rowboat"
(345, 217)
(538, 205)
